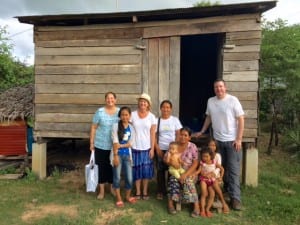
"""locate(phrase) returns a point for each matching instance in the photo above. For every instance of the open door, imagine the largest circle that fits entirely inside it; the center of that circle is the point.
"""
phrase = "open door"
(200, 66)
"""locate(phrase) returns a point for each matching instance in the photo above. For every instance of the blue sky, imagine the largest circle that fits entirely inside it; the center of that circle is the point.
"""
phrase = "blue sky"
(21, 34)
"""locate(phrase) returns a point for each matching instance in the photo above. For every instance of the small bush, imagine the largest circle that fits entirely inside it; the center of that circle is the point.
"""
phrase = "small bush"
(30, 176)
(291, 140)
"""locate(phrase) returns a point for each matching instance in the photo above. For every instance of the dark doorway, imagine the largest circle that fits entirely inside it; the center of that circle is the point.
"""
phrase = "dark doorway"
(200, 66)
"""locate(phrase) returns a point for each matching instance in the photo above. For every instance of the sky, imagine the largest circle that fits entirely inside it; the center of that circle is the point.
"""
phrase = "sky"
(21, 35)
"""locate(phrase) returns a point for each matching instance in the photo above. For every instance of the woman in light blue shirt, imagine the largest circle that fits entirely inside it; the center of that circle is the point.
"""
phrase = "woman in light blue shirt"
(101, 140)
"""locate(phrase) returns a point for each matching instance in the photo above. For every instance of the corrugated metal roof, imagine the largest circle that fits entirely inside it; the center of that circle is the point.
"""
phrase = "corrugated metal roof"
(143, 16)
(13, 138)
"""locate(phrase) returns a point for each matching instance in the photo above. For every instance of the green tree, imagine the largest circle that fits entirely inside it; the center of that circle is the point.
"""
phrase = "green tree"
(279, 76)
(12, 71)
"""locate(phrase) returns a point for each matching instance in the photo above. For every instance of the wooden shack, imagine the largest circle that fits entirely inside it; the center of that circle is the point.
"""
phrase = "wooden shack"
(171, 54)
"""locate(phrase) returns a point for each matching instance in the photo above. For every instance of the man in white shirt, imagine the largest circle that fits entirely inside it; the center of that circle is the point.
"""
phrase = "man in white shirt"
(226, 115)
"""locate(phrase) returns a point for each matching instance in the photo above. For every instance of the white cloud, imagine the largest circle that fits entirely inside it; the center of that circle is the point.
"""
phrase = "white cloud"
(21, 38)
(288, 10)
(21, 34)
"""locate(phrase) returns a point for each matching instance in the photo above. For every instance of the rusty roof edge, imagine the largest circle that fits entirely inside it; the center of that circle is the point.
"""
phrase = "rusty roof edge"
(162, 14)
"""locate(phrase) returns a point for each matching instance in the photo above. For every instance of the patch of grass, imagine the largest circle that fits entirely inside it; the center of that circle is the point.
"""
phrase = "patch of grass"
(61, 199)
(8, 170)
(30, 176)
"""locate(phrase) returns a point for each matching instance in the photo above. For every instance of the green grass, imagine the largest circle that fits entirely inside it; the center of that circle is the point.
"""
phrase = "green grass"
(61, 199)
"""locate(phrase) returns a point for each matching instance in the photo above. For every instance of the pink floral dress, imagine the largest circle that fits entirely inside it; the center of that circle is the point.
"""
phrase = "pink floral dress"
(187, 192)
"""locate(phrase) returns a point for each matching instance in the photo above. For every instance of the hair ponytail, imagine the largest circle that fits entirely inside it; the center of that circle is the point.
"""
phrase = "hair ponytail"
(120, 130)
(121, 127)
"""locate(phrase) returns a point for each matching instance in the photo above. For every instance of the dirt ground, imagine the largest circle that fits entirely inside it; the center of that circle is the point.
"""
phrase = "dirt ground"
(71, 159)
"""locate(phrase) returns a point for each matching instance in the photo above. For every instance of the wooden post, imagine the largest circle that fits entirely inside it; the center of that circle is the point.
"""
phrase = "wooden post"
(39, 159)
(250, 170)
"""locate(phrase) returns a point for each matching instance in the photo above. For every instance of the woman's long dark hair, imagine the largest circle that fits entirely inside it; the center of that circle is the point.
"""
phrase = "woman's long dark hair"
(121, 128)
(187, 129)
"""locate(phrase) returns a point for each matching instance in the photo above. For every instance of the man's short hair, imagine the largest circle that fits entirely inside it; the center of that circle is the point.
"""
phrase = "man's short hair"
(219, 80)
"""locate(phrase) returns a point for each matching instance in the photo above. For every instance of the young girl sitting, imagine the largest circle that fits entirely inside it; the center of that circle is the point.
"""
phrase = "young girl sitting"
(212, 145)
(217, 157)
(123, 134)
(174, 161)
(208, 184)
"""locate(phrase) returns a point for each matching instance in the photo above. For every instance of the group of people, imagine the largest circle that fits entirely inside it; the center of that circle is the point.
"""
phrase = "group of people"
(127, 142)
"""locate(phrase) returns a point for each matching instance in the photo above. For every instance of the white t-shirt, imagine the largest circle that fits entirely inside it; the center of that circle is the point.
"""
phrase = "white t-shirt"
(142, 130)
(167, 131)
(224, 113)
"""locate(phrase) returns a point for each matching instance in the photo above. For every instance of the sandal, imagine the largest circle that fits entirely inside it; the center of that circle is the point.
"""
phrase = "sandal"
(146, 197)
(202, 214)
(131, 200)
(195, 214)
(119, 204)
(209, 214)
(138, 197)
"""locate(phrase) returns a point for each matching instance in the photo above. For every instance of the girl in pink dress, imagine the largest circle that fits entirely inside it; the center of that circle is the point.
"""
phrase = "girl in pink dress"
(208, 183)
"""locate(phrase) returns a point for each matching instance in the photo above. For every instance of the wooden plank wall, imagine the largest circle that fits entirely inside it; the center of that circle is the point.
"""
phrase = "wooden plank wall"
(241, 54)
(74, 68)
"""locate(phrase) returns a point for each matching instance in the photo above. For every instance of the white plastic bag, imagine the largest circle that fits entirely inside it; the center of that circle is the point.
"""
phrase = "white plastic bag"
(91, 174)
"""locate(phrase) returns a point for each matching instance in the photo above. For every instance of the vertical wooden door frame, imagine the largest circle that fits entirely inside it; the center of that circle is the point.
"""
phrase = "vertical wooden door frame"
(161, 71)
(175, 48)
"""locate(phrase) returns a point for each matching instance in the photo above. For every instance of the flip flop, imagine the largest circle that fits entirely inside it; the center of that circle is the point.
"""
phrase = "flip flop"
(195, 214)
(145, 197)
(119, 204)
(171, 211)
(131, 200)
(209, 214)
(202, 214)
(138, 197)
